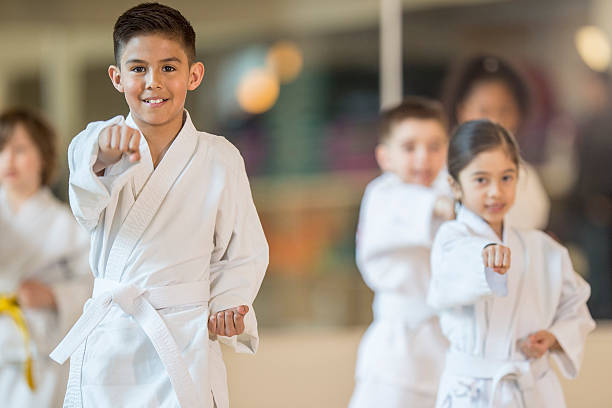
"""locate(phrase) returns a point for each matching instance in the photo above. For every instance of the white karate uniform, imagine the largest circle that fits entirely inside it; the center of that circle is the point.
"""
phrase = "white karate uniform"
(43, 242)
(169, 246)
(401, 355)
(531, 207)
(484, 315)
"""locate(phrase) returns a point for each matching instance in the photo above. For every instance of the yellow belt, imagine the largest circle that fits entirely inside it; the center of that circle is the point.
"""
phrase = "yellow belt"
(9, 306)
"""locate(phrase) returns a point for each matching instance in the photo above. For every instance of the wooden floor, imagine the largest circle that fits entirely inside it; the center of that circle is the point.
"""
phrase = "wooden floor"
(314, 369)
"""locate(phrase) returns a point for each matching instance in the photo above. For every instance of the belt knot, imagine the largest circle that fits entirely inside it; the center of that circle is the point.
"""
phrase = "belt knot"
(125, 296)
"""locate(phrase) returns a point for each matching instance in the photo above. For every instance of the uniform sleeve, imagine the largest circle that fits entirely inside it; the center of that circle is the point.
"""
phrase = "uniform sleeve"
(572, 320)
(458, 276)
(89, 194)
(392, 221)
(239, 259)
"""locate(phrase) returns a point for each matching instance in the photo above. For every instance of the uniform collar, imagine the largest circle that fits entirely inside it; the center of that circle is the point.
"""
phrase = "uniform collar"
(185, 140)
(187, 129)
(479, 225)
(36, 203)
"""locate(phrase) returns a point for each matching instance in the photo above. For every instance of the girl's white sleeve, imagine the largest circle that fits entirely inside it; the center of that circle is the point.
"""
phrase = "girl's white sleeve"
(240, 256)
(572, 320)
(458, 275)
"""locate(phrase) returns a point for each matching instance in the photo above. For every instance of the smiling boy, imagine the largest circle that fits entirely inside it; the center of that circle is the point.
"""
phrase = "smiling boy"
(178, 251)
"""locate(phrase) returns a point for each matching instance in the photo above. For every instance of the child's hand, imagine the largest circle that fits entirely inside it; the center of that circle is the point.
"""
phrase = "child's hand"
(496, 257)
(113, 142)
(35, 295)
(229, 322)
(444, 208)
(535, 345)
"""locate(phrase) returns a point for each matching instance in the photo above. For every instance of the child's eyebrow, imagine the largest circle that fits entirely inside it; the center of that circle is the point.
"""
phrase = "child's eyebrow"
(485, 173)
(139, 61)
(171, 59)
(135, 61)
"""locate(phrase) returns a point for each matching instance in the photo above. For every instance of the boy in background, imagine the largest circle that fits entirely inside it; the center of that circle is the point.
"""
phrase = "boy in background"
(402, 353)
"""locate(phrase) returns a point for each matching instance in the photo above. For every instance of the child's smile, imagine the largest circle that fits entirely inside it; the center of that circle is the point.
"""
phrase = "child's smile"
(155, 102)
(495, 207)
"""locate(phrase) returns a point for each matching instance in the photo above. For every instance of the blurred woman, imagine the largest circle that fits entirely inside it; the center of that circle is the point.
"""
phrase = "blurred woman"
(487, 87)
(44, 273)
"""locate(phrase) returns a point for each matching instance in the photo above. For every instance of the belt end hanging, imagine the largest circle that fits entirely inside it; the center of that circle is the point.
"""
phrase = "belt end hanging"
(29, 373)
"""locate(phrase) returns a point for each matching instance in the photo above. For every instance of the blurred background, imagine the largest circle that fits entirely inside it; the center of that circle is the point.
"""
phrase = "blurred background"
(297, 85)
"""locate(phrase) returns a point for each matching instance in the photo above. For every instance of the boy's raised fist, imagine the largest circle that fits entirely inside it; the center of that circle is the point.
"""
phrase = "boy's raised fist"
(113, 142)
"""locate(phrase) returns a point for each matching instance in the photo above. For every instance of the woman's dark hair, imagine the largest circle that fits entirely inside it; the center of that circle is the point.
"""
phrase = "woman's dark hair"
(153, 18)
(477, 136)
(39, 131)
(480, 69)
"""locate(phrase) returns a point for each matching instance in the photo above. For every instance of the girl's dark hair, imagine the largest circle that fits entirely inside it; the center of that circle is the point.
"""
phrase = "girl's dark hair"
(477, 136)
(39, 131)
(153, 18)
(480, 69)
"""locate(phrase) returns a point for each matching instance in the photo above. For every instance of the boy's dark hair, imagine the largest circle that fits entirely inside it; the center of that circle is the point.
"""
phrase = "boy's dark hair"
(412, 107)
(477, 136)
(39, 131)
(479, 69)
(153, 18)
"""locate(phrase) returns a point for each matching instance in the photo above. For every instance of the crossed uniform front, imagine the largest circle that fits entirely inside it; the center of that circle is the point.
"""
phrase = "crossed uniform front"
(143, 338)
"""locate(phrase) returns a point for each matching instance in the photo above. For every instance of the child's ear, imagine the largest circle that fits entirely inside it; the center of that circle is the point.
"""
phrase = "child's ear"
(382, 156)
(455, 187)
(115, 76)
(196, 74)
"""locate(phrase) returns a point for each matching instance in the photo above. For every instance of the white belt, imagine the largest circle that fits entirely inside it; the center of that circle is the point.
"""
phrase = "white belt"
(402, 307)
(524, 372)
(141, 304)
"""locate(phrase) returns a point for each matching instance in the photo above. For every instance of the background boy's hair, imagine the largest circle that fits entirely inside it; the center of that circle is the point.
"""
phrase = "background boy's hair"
(474, 137)
(39, 131)
(153, 18)
(478, 69)
(412, 107)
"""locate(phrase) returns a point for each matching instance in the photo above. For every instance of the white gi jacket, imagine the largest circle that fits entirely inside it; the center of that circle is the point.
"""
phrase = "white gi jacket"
(170, 245)
(403, 346)
(484, 315)
(42, 241)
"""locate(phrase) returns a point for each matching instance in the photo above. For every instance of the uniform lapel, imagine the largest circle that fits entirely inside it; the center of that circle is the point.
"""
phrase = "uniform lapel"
(150, 198)
(498, 331)
(477, 224)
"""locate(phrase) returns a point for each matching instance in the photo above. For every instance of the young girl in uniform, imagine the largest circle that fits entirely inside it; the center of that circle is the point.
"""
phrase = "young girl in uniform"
(509, 299)
(488, 87)
(44, 274)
